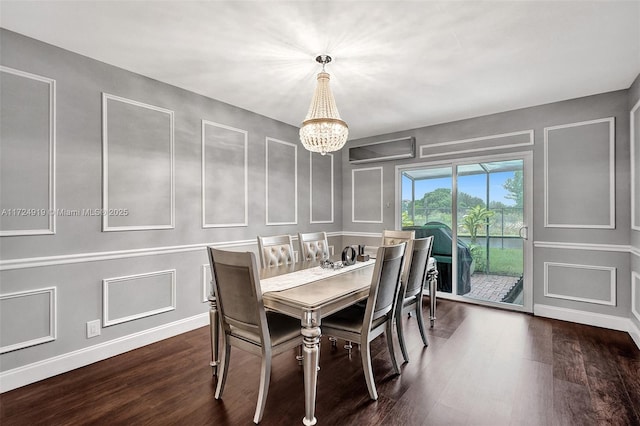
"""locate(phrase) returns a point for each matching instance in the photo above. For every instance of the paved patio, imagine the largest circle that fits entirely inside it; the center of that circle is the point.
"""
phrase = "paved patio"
(491, 287)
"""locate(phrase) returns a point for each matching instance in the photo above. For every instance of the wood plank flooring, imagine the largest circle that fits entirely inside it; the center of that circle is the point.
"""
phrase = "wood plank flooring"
(483, 367)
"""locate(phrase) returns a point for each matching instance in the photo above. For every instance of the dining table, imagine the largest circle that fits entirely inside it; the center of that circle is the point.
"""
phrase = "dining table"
(309, 292)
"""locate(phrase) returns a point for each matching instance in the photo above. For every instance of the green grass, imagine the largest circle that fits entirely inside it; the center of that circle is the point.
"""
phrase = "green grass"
(503, 262)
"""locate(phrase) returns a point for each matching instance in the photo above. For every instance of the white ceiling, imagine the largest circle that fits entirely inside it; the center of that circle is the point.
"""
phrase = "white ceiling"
(397, 64)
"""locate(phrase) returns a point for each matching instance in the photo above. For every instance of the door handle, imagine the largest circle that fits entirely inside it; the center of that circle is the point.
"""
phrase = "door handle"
(524, 232)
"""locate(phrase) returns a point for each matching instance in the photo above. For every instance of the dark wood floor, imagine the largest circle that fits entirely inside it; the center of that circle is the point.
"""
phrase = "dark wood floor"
(483, 367)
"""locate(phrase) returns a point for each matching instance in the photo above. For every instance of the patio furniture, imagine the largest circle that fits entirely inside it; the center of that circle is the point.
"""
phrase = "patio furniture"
(442, 245)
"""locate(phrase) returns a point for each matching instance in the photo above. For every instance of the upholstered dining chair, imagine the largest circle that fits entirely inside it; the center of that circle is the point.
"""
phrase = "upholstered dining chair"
(360, 325)
(276, 250)
(411, 289)
(390, 237)
(313, 245)
(245, 323)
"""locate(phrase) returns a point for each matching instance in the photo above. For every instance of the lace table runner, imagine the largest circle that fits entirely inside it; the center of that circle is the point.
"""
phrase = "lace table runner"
(294, 279)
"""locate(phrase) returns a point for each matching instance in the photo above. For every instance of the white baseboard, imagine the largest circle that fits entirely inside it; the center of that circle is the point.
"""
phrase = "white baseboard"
(589, 318)
(22, 376)
(634, 331)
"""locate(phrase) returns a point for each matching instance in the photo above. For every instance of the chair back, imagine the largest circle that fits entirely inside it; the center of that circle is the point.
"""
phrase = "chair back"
(390, 237)
(313, 246)
(236, 282)
(385, 281)
(276, 250)
(417, 260)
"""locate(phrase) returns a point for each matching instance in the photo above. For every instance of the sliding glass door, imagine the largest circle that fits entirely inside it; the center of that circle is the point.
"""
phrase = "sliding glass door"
(476, 210)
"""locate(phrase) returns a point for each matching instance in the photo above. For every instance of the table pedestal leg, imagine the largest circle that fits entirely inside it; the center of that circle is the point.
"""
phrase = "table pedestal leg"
(214, 328)
(311, 344)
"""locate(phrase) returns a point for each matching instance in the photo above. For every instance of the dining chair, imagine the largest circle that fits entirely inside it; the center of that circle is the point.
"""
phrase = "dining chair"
(313, 245)
(276, 250)
(411, 289)
(390, 237)
(359, 325)
(245, 323)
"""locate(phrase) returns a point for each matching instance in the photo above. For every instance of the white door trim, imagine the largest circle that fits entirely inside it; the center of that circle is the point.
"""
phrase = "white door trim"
(527, 158)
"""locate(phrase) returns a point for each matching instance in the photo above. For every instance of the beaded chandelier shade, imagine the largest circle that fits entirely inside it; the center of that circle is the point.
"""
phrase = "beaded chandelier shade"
(322, 129)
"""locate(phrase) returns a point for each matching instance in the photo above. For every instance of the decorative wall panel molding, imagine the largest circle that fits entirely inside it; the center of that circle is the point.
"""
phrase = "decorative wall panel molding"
(28, 318)
(27, 142)
(207, 288)
(281, 182)
(579, 175)
(225, 176)
(321, 199)
(37, 262)
(635, 165)
(366, 195)
(482, 143)
(583, 279)
(131, 297)
(620, 248)
(635, 294)
(138, 165)
(376, 235)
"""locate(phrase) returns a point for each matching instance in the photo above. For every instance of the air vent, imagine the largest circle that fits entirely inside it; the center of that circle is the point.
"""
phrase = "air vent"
(383, 151)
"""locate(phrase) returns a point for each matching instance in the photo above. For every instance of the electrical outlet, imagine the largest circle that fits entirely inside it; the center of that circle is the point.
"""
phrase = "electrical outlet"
(93, 329)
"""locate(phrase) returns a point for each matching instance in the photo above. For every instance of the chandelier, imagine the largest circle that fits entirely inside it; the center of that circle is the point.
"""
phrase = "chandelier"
(322, 129)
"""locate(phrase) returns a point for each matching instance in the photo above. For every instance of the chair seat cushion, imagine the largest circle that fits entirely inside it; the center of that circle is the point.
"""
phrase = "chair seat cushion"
(409, 301)
(281, 329)
(349, 319)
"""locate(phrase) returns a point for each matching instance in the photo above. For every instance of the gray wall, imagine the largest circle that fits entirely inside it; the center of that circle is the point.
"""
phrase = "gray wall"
(556, 243)
(148, 268)
(634, 99)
